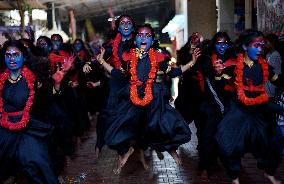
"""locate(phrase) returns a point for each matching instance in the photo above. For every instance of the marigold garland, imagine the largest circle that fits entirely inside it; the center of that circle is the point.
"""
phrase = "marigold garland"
(4, 119)
(135, 82)
(241, 88)
(214, 59)
(116, 42)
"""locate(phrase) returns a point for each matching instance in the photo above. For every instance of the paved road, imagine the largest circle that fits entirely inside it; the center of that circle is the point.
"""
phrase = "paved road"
(86, 170)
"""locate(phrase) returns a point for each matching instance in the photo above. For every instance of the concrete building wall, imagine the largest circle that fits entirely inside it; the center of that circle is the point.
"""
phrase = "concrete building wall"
(226, 17)
(248, 14)
(202, 17)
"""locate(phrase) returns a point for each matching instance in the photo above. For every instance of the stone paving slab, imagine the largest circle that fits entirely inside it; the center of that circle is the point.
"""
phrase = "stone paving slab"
(84, 169)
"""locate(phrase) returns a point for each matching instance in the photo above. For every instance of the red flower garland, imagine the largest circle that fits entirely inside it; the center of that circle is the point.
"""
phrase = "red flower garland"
(116, 60)
(4, 121)
(214, 59)
(134, 81)
(241, 88)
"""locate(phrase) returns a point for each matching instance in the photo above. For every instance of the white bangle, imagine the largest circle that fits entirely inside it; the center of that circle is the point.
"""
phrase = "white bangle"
(190, 64)
(101, 62)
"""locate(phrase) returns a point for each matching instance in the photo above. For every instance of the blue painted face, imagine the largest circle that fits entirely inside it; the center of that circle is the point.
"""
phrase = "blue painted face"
(42, 44)
(56, 43)
(144, 38)
(255, 48)
(78, 46)
(14, 58)
(125, 27)
(221, 46)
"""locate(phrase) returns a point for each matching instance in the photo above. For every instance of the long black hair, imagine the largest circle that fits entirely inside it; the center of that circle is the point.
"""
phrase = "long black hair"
(112, 34)
(38, 65)
(273, 39)
(65, 47)
(40, 51)
(12, 43)
(130, 44)
(215, 38)
(230, 52)
(246, 37)
(183, 55)
(117, 21)
(83, 44)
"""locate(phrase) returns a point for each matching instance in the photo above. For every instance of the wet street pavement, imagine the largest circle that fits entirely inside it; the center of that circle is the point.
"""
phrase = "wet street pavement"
(84, 169)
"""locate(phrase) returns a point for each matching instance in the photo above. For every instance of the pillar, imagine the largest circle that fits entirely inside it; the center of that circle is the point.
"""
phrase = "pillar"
(248, 14)
(202, 17)
(225, 20)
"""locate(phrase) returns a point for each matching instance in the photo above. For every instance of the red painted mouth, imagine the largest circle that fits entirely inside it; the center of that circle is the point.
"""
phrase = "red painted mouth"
(143, 45)
(12, 64)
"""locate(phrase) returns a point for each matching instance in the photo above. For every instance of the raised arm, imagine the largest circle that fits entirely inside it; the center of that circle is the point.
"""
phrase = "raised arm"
(173, 71)
(195, 56)
(113, 71)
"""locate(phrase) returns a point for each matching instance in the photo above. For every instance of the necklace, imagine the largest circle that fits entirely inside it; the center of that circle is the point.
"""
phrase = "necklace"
(141, 53)
(4, 118)
(241, 87)
(249, 62)
(13, 81)
(135, 82)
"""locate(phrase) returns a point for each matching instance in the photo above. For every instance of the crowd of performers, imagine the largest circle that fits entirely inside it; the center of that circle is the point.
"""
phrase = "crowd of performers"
(50, 91)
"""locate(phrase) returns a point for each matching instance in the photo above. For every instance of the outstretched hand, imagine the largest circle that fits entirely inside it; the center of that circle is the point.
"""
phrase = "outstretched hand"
(87, 68)
(195, 55)
(218, 66)
(67, 63)
(58, 75)
(100, 57)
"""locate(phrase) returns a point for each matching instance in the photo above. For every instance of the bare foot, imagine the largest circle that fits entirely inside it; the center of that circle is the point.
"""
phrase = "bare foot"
(97, 152)
(236, 181)
(142, 159)
(160, 155)
(117, 170)
(272, 179)
(175, 157)
(204, 177)
(122, 160)
(60, 179)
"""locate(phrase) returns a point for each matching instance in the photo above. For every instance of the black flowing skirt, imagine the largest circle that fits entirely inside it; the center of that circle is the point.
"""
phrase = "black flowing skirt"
(27, 151)
(246, 129)
(157, 125)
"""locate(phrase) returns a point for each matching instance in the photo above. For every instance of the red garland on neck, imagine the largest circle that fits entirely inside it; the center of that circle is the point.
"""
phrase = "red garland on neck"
(4, 119)
(214, 59)
(241, 88)
(135, 82)
(116, 42)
